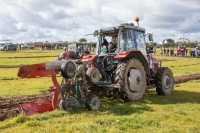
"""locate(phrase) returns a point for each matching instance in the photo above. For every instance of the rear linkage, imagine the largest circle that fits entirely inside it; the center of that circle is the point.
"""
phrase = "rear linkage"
(75, 88)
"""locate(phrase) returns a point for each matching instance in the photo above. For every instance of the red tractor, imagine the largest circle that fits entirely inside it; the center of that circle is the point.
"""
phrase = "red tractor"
(75, 51)
(180, 50)
(127, 72)
(131, 69)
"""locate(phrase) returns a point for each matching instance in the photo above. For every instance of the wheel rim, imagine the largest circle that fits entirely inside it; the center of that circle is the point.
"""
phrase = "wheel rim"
(70, 69)
(95, 104)
(166, 81)
(69, 105)
(94, 75)
(134, 81)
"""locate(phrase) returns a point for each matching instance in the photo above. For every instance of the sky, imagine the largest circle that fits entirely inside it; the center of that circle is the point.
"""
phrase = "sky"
(70, 20)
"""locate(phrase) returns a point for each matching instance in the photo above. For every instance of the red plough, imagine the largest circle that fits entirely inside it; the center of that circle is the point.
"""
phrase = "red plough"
(40, 105)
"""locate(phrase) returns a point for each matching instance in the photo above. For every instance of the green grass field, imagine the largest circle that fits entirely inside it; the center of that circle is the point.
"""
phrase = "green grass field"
(153, 114)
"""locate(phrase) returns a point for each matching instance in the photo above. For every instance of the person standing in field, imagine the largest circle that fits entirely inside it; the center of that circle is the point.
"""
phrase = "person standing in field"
(154, 50)
(186, 51)
(161, 52)
(164, 51)
(168, 51)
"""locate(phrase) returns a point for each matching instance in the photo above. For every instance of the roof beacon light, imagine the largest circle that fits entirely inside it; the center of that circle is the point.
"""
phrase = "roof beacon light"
(137, 20)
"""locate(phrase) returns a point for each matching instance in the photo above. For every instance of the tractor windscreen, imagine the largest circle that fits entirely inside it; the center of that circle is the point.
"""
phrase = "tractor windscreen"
(140, 42)
(72, 47)
(127, 40)
(132, 40)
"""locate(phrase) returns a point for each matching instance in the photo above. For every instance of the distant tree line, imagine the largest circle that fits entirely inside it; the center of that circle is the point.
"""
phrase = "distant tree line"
(63, 44)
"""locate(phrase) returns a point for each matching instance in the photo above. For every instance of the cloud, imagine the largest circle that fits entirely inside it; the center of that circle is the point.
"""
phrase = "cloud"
(63, 20)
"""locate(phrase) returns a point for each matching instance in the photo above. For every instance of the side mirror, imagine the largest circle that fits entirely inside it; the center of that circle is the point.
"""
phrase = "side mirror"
(150, 37)
(151, 49)
(95, 33)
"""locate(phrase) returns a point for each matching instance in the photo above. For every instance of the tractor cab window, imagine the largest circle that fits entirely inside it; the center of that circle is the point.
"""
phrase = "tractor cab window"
(106, 40)
(140, 42)
(127, 40)
(80, 48)
(72, 47)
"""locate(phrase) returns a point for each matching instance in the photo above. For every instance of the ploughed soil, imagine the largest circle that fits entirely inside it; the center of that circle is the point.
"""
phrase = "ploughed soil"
(186, 78)
(187, 65)
(9, 106)
(166, 60)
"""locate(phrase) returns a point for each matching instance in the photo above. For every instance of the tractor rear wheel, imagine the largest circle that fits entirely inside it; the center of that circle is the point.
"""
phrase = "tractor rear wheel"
(164, 81)
(92, 103)
(131, 77)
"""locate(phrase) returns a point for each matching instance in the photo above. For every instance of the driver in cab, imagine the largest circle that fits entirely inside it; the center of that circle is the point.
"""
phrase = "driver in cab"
(112, 46)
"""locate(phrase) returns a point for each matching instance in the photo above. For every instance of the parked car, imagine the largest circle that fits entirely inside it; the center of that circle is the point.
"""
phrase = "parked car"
(8, 46)
(27, 46)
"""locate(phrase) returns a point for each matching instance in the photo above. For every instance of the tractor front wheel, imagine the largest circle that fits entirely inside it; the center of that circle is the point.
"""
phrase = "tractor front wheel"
(164, 81)
(131, 77)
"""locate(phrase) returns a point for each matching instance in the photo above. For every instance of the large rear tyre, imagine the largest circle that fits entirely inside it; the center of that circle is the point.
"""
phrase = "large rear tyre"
(164, 81)
(131, 77)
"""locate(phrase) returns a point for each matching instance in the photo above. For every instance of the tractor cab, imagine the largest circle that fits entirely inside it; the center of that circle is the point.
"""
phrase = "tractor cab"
(129, 37)
(78, 47)
(75, 50)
